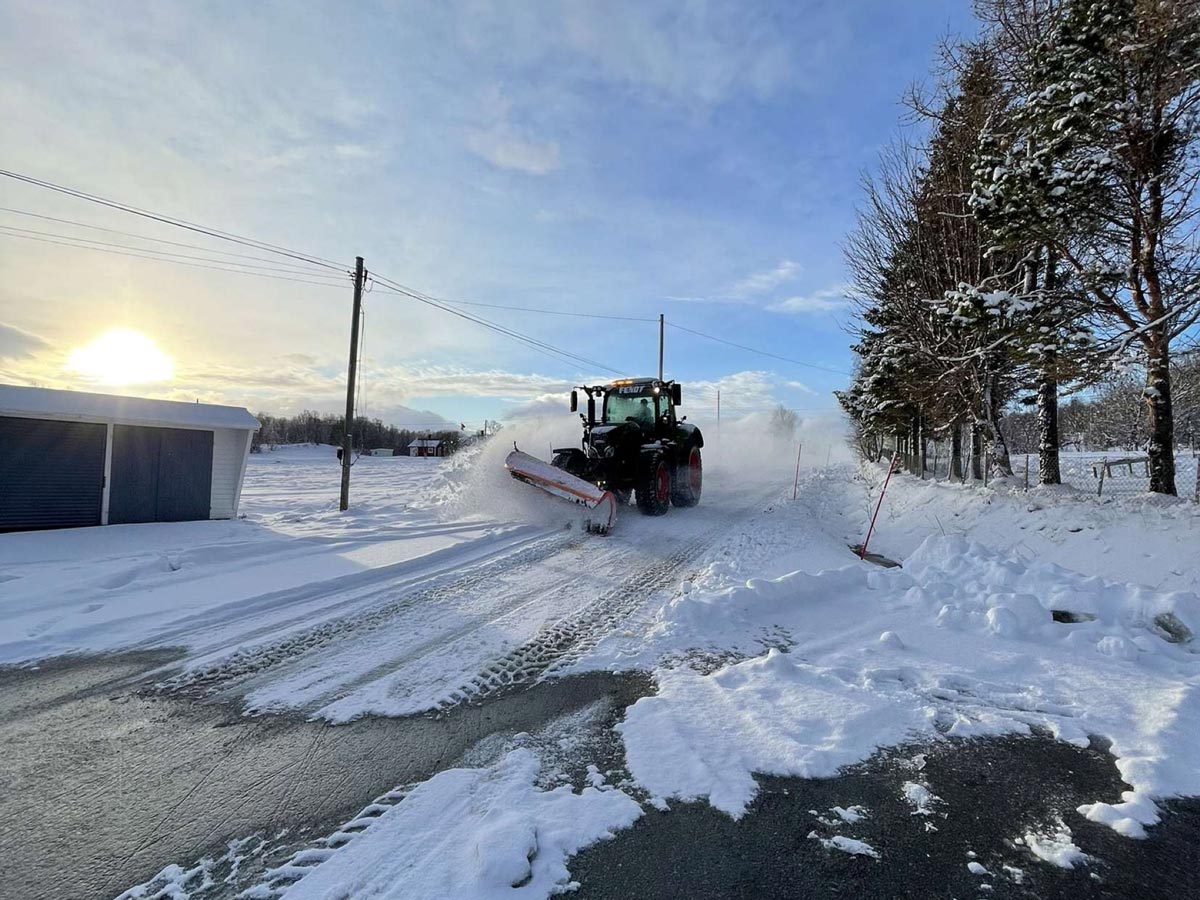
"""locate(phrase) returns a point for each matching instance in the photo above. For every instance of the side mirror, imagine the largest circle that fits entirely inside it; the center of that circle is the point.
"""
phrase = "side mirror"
(574, 401)
(677, 393)
(591, 407)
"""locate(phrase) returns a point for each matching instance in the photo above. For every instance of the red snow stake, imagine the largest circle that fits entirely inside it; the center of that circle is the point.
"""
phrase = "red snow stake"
(892, 468)
(796, 483)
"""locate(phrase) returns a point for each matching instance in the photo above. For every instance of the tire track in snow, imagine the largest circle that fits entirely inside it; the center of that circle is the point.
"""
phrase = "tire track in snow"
(559, 644)
(239, 665)
(403, 686)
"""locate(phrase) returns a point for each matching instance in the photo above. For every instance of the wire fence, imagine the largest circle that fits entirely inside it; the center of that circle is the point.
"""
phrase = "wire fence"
(1115, 473)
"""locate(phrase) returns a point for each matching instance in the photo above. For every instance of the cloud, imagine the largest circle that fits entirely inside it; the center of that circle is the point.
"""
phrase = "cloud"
(553, 404)
(504, 148)
(827, 300)
(16, 342)
(386, 392)
(741, 392)
(752, 287)
(696, 54)
(767, 281)
(801, 387)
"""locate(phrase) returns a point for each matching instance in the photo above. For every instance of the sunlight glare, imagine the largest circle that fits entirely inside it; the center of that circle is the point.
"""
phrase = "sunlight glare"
(121, 356)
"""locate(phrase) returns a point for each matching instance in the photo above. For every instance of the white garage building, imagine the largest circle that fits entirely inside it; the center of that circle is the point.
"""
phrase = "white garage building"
(69, 458)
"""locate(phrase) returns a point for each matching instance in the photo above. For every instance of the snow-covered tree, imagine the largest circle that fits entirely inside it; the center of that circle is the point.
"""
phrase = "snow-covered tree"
(915, 240)
(1096, 161)
(783, 423)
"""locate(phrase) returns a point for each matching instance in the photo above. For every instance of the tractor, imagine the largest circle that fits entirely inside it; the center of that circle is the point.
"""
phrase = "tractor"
(634, 443)
(637, 444)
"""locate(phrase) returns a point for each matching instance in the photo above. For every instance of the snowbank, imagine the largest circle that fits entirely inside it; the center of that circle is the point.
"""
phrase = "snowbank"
(963, 641)
(472, 834)
(1142, 539)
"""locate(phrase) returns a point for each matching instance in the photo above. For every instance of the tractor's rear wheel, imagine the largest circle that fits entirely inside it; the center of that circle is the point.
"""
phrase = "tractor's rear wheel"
(654, 485)
(687, 479)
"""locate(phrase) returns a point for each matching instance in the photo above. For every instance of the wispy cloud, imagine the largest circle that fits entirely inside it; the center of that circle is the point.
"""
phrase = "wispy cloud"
(504, 148)
(828, 300)
(753, 287)
(766, 281)
(16, 342)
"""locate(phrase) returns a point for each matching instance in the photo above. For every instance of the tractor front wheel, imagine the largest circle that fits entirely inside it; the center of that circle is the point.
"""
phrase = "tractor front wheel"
(654, 485)
(688, 479)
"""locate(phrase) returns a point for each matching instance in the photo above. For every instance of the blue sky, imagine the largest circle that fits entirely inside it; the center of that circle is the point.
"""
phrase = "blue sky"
(701, 160)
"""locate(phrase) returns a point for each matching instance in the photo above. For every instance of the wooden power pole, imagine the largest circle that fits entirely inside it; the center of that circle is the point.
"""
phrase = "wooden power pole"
(351, 374)
(660, 346)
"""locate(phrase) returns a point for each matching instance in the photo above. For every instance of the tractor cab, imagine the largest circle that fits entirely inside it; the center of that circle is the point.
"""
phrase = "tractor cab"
(645, 403)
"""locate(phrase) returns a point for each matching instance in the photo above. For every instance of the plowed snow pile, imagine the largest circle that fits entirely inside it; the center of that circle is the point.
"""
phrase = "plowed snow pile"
(962, 641)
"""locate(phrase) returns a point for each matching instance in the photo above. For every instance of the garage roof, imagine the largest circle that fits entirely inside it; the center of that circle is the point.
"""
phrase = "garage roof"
(80, 406)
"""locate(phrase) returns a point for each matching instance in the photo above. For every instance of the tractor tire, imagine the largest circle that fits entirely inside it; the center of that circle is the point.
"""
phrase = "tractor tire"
(654, 485)
(687, 479)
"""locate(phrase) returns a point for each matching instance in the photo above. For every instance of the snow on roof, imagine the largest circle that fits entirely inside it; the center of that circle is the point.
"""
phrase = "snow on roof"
(81, 406)
(422, 442)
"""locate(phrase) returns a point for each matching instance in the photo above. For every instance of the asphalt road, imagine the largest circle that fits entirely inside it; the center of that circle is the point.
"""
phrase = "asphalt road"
(105, 783)
(991, 790)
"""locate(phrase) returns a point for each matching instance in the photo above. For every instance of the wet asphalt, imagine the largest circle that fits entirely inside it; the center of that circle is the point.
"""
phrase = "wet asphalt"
(104, 783)
(991, 792)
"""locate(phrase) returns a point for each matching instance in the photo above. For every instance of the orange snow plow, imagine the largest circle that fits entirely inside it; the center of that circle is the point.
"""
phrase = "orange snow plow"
(560, 483)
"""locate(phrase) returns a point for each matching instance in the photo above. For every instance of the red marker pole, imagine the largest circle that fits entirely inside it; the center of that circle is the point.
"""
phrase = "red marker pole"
(892, 468)
(796, 483)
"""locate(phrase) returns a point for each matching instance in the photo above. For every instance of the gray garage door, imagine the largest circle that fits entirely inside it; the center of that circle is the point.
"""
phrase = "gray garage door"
(160, 475)
(51, 473)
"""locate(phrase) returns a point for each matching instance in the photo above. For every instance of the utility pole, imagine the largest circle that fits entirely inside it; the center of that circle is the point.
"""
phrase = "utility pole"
(660, 346)
(351, 373)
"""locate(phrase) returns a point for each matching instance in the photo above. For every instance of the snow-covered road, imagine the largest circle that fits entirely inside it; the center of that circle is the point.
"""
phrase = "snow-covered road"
(774, 652)
(504, 608)
(446, 581)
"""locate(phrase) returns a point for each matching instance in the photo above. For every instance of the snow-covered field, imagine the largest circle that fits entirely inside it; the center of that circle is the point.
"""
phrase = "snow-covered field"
(774, 649)
(291, 563)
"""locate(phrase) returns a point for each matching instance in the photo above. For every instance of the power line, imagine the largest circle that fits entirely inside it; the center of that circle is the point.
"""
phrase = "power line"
(140, 237)
(388, 284)
(145, 253)
(446, 306)
(550, 312)
(274, 267)
(178, 223)
(235, 271)
(536, 344)
(787, 359)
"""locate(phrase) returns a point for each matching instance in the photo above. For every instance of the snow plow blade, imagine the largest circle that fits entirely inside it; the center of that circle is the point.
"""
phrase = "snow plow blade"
(532, 470)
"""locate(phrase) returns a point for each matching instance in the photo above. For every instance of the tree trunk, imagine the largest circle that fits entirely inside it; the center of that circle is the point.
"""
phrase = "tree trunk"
(914, 442)
(1000, 460)
(976, 451)
(1161, 448)
(924, 450)
(1049, 471)
(956, 460)
(1048, 468)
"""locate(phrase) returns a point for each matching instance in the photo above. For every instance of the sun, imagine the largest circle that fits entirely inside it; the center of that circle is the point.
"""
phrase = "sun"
(121, 356)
